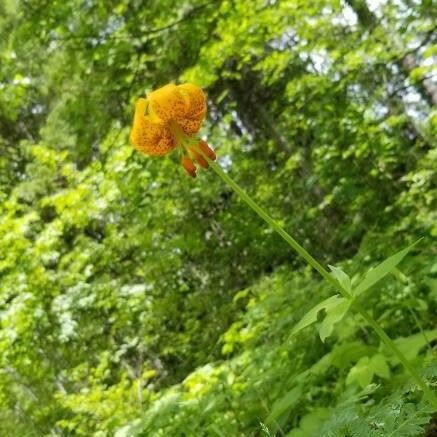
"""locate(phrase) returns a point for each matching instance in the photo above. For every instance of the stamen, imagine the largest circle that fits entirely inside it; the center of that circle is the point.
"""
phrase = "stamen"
(198, 157)
(189, 166)
(208, 151)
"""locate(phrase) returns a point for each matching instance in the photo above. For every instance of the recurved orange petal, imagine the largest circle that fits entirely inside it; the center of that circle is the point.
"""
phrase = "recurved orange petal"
(147, 136)
(167, 103)
(195, 101)
(190, 126)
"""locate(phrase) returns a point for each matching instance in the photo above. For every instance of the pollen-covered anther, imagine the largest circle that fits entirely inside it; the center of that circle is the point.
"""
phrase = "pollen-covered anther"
(207, 150)
(189, 166)
(198, 157)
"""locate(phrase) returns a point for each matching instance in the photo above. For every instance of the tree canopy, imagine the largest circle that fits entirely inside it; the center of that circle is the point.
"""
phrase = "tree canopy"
(135, 301)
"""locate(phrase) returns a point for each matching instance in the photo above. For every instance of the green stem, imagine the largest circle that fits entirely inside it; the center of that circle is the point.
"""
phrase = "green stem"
(326, 275)
(391, 345)
(266, 217)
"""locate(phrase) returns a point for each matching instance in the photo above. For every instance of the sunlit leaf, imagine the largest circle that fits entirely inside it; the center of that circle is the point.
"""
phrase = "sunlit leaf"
(342, 278)
(382, 270)
(334, 315)
(311, 316)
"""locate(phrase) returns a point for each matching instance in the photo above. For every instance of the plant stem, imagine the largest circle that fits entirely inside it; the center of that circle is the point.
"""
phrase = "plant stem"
(266, 217)
(391, 345)
(326, 275)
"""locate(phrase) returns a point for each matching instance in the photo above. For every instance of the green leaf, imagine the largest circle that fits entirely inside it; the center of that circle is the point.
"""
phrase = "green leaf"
(311, 316)
(381, 270)
(341, 277)
(411, 346)
(379, 365)
(344, 355)
(130, 430)
(216, 429)
(362, 373)
(366, 368)
(284, 404)
(310, 423)
(333, 316)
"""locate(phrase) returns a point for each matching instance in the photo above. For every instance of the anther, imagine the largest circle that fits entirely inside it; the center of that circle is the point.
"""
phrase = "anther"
(189, 166)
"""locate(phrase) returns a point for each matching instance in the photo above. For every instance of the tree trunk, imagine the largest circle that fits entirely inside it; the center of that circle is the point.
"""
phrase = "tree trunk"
(367, 19)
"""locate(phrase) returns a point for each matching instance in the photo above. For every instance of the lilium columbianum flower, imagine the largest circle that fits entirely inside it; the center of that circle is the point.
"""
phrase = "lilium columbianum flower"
(169, 118)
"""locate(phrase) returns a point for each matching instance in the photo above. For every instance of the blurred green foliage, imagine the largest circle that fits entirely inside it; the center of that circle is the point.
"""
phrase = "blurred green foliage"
(134, 301)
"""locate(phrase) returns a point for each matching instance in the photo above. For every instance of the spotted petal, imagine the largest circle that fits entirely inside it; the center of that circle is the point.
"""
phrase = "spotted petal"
(195, 101)
(148, 136)
(195, 108)
(167, 103)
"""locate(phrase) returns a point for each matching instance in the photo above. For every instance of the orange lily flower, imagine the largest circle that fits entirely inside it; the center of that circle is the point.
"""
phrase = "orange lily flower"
(169, 118)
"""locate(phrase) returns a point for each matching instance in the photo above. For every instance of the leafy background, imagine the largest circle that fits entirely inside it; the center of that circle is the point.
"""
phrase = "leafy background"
(137, 302)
